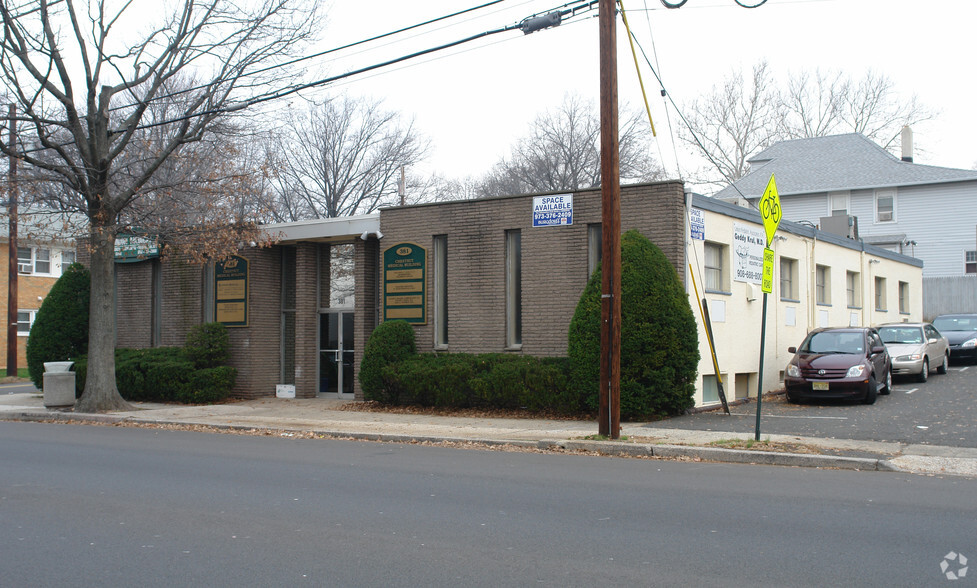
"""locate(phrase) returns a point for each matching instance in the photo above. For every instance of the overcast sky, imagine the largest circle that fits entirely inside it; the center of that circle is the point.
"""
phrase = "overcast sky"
(476, 100)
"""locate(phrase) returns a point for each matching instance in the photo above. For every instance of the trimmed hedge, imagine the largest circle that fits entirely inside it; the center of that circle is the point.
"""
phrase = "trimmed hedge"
(60, 330)
(490, 380)
(172, 374)
(659, 339)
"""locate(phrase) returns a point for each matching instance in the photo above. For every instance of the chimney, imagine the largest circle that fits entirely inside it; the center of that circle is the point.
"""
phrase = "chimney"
(907, 144)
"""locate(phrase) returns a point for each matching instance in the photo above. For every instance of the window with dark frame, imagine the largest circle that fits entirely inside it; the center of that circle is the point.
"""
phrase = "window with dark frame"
(513, 288)
(441, 291)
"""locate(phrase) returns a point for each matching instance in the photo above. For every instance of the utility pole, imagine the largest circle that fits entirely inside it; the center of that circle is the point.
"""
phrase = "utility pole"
(609, 413)
(12, 303)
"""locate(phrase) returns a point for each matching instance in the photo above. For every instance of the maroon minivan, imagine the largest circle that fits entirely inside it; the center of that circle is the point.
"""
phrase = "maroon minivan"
(839, 363)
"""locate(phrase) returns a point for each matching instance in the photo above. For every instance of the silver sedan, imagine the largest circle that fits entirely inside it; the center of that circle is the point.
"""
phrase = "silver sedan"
(916, 348)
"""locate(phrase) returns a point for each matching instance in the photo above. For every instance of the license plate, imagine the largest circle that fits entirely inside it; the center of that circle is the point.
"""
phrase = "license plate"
(819, 385)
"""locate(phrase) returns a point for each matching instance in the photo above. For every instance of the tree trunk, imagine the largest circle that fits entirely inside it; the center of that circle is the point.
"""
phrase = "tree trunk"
(101, 393)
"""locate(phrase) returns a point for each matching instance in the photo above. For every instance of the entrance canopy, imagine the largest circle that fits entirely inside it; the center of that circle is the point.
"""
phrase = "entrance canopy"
(325, 229)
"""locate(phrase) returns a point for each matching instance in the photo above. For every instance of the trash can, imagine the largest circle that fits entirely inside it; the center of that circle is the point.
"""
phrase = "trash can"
(59, 384)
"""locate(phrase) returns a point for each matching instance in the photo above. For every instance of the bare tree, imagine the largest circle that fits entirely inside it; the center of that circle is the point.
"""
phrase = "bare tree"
(744, 116)
(438, 188)
(810, 106)
(86, 85)
(870, 106)
(343, 157)
(732, 123)
(562, 152)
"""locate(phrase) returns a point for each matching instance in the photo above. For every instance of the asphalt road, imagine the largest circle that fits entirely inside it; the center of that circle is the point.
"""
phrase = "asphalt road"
(943, 411)
(85, 505)
(18, 388)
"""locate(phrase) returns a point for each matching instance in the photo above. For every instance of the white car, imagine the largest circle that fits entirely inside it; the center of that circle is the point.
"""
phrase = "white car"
(915, 348)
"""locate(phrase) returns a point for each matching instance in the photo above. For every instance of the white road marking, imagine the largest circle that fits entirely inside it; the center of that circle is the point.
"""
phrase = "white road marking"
(911, 391)
(783, 416)
(963, 369)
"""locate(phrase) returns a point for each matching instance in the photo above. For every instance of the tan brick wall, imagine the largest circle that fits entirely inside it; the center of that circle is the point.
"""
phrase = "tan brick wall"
(554, 261)
(306, 320)
(255, 349)
(366, 264)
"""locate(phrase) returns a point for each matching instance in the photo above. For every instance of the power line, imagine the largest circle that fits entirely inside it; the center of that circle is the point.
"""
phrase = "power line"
(328, 51)
(527, 25)
(688, 125)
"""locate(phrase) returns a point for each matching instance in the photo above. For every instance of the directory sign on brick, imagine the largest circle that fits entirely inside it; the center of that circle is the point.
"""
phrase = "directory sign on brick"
(404, 283)
(231, 291)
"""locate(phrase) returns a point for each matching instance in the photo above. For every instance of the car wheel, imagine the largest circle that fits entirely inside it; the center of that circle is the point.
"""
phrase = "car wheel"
(872, 392)
(791, 398)
(888, 383)
(924, 374)
(943, 366)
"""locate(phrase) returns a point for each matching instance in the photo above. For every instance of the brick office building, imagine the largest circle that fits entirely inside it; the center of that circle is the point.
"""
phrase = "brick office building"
(487, 275)
(314, 297)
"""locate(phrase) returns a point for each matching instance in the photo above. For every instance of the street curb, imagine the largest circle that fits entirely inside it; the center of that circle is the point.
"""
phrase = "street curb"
(723, 455)
(610, 448)
(64, 416)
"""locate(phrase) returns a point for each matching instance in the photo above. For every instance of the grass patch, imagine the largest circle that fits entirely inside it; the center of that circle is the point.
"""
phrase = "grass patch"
(603, 438)
(741, 443)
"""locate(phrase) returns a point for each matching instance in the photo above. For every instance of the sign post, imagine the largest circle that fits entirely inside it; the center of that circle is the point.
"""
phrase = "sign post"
(771, 214)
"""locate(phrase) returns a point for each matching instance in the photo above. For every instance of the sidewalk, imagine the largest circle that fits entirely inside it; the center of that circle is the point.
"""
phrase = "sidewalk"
(326, 417)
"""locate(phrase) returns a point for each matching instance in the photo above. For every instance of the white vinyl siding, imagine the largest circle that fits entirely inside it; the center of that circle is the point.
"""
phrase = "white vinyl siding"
(941, 239)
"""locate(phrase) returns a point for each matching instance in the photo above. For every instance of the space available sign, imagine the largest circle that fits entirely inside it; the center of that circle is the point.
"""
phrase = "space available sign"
(550, 211)
(748, 244)
(697, 224)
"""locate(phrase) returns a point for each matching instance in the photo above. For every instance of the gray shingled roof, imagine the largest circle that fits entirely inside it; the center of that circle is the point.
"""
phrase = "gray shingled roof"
(838, 162)
(41, 226)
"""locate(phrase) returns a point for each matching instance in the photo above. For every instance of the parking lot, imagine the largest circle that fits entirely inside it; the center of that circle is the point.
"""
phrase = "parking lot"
(941, 411)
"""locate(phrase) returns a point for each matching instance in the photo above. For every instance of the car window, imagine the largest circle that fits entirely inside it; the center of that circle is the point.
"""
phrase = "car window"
(874, 340)
(898, 335)
(958, 323)
(834, 342)
(931, 332)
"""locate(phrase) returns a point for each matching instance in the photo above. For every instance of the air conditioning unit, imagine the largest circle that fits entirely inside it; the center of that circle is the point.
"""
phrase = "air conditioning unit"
(25, 268)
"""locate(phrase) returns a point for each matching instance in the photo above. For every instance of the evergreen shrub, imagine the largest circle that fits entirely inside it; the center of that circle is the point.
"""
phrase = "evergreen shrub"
(390, 342)
(659, 337)
(60, 330)
(208, 385)
(208, 345)
(489, 380)
(163, 374)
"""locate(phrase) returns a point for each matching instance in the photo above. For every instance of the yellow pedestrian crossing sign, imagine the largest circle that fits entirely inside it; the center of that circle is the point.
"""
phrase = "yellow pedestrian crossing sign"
(770, 209)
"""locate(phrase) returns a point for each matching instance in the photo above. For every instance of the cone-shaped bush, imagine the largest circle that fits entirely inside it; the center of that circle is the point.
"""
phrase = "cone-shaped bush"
(390, 342)
(60, 330)
(659, 340)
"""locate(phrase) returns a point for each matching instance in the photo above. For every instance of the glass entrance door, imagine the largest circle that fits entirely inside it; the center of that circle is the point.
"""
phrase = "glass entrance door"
(336, 353)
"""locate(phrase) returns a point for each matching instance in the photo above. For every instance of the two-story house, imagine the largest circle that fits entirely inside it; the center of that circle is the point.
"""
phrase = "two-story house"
(847, 184)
